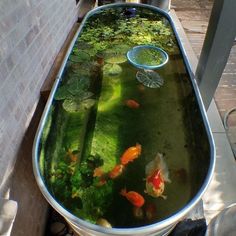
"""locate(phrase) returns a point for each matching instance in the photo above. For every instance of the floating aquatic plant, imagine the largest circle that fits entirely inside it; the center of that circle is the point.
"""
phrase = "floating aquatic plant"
(134, 31)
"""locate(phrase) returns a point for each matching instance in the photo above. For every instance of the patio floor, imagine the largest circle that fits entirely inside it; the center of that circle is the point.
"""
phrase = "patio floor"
(191, 19)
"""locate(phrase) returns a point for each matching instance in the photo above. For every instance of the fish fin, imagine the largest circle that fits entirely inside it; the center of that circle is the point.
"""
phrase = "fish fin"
(163, 166)
(150, 167)
(163, 196)
(139, 147)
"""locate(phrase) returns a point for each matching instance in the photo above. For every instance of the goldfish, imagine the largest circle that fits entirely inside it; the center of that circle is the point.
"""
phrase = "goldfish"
(116, 171)
(98, 172)
(73, 155)
(132, 104)
(133, 197)
(156, 175)
(130, 154)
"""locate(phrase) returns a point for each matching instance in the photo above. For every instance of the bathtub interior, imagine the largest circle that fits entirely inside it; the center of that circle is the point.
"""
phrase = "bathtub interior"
(100, 110)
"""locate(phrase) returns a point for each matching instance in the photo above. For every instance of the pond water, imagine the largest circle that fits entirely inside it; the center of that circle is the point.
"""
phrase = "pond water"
(101, 110)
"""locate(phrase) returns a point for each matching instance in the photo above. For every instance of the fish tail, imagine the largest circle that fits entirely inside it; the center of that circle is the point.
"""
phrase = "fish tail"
(139, 148)
(163, 167)
(163, 196)
(123, 192)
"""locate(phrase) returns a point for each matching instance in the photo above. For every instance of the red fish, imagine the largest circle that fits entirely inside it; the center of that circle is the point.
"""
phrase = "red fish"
(132, 104)
(156, 176)
(133, 197)
(130, 154)
(116, 171)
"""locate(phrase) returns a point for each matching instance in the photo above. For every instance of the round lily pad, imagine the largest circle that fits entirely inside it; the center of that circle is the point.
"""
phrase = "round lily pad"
(79, 56)
(112, 69)
(88, 103)
(116, 54)
(71, 105)
(61, 94)
(116, 59)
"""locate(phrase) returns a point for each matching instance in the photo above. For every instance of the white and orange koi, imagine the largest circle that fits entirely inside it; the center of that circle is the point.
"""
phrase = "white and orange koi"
(156, 175)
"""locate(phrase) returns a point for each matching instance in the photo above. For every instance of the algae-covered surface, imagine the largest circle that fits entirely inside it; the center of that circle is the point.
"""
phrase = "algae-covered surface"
(100, 110)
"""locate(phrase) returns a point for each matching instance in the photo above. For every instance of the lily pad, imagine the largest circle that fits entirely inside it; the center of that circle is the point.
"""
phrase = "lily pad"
(116, 54)
(116, 59)
(71, 105)
(112, 69)
(88, 103)
(75, 105)
(79, 56)
(62, 93)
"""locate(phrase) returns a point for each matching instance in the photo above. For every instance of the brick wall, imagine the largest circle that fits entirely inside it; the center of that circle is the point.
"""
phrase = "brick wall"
(31, 34)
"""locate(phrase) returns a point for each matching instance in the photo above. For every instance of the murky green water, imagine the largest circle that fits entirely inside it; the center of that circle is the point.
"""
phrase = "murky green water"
(91, 123)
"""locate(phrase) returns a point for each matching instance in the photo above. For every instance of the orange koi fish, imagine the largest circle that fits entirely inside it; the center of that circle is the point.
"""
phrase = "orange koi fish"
(130, 154)
(135, 198)
(116, 171)
(156, 175)
(132, 104)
